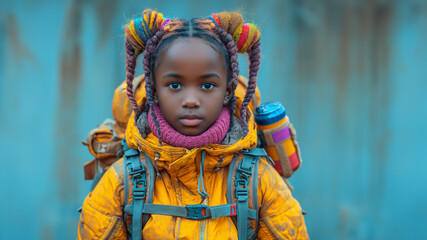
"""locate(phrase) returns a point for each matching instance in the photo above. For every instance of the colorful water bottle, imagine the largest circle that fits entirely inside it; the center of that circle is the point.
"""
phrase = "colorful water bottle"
(279, 137)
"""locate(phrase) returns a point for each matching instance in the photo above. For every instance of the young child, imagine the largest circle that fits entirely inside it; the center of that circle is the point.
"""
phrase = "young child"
(190, 126)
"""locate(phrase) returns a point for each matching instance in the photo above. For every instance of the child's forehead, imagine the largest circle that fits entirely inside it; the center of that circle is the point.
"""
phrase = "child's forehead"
(191, 49)
(189, 45)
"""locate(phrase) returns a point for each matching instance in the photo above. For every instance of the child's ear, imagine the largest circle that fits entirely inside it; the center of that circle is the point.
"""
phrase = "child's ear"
(228, 93)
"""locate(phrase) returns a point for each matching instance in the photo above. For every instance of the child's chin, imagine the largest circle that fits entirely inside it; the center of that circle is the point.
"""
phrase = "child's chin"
(191, 133)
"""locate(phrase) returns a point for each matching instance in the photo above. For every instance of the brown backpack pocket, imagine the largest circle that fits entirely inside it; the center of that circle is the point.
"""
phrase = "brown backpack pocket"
(105, 145)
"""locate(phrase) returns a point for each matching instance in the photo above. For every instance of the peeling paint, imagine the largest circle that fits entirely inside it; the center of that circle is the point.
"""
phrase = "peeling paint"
(66, 124)
(105, 12)
(16, 43)
(379, 112)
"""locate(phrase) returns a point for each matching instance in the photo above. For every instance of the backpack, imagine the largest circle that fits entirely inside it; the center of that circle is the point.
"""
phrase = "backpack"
(243, 169)
(105, 145)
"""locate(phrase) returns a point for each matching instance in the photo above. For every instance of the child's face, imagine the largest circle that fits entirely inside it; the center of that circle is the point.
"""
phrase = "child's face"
(191, 85)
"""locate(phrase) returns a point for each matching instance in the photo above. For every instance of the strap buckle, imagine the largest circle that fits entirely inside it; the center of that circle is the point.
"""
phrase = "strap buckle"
(139, 193)
(196, 212)
(241, 181)
(140, 181)
(233, 211)
(136, 172)
(245, 172)
(242, 194)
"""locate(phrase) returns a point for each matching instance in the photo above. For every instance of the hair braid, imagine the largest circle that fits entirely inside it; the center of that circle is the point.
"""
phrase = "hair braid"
(149, 51)
(137, 32)
(254, 62)
(246, 38)
(130, 72)
(227, 39)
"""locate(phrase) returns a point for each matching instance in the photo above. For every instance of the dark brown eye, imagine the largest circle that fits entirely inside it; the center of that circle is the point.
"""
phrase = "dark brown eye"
(207, 86)
(174, 86)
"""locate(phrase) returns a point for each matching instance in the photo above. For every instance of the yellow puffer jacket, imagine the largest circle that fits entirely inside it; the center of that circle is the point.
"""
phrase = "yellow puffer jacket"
(102, 217)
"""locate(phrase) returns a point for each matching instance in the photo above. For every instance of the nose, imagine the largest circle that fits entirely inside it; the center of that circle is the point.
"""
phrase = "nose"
(191, 100)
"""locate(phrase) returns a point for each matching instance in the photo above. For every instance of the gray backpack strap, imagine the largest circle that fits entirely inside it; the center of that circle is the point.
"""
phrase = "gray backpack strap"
(126, 186)
(245, 171)
(255, 155)
(229, 191)
(243, 174)
(255, 196)
(137, 172)
(150, 187)
(132, 162)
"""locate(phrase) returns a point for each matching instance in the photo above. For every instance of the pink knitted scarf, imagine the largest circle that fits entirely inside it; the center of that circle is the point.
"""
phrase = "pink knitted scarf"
(215, 134)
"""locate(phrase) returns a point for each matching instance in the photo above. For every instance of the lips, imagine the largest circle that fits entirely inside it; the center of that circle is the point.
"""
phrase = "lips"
(190, 120)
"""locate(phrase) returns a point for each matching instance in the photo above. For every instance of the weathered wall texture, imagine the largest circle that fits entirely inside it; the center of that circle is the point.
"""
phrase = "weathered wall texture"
(352, 75)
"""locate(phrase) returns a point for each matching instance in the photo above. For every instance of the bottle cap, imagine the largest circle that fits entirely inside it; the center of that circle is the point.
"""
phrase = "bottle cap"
(269, 113)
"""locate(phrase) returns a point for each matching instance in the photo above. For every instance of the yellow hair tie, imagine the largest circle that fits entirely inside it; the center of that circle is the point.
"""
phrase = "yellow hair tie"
(150, 26)
(237, 33)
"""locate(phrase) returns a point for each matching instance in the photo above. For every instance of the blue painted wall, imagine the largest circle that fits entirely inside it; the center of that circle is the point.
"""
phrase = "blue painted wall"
(351, 73)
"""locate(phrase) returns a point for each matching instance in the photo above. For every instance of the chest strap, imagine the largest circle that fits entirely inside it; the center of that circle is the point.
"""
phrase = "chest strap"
(194, 212)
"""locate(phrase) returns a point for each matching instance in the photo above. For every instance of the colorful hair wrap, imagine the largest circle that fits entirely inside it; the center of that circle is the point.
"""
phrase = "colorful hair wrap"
(244, 35)
(139, 30)
(237, 33)
(215, 20)
(132, 36)
(250, 35)
(243, 38)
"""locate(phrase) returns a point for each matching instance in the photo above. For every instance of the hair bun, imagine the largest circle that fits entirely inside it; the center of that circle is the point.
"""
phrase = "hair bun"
(244, 35)
(139, 30)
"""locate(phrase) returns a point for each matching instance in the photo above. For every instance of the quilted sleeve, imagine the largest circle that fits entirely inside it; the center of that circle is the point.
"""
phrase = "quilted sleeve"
(280, 214)
(102, 212)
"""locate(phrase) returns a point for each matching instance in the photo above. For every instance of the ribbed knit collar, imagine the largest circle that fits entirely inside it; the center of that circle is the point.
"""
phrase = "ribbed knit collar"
(215, 134)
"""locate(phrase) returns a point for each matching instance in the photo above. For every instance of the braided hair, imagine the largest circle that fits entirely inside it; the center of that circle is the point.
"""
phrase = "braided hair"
(225, 31)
